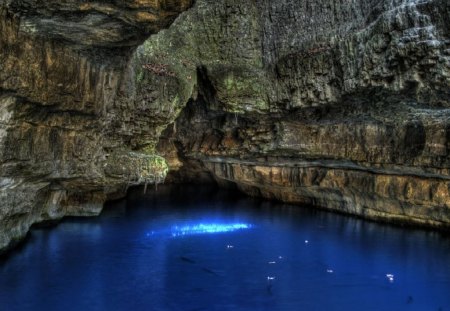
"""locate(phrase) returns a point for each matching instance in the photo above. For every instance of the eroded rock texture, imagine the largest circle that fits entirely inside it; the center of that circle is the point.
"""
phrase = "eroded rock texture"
(72, 132)
(344, 105)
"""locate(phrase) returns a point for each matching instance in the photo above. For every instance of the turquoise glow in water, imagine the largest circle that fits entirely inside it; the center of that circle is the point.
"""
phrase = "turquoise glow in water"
(212, 228)
(183, 248)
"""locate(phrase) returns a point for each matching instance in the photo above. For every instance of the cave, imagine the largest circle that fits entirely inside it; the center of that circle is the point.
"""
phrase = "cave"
(319, 109)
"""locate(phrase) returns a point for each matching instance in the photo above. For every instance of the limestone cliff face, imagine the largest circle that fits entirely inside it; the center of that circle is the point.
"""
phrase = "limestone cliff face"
(344, 105)
(72, 133)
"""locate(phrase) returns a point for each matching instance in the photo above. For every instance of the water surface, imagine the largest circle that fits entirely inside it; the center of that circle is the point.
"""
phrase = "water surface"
(184, 248)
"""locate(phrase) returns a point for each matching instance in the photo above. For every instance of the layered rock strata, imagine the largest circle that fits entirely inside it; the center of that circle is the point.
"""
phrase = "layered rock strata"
(344, 105)
(341, 105)
(74, 128)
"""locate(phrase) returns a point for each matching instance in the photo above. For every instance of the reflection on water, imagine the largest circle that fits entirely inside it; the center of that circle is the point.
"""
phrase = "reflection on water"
(183, 248)
(207, 228)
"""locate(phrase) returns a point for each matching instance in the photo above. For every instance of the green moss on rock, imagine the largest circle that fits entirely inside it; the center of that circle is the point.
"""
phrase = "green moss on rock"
(138, 168)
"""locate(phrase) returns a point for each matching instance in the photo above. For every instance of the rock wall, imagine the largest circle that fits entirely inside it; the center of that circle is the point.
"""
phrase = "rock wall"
(72, 130)
(343, 105)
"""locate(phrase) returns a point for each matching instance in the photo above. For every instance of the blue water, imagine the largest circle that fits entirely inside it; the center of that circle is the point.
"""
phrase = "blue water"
(192, 249)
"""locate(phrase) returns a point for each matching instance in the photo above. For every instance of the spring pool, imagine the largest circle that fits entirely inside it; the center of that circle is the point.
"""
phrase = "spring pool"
(188, 248)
